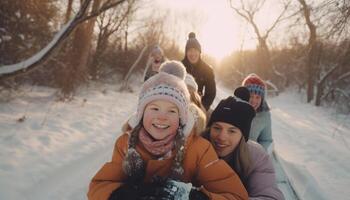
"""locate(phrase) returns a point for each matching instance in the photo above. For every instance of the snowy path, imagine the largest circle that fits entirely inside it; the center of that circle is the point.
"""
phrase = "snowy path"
(314, 146)
(54, 153)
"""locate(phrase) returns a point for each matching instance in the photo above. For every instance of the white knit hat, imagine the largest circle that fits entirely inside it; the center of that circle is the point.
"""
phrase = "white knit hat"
(189, 80)
(169, 85)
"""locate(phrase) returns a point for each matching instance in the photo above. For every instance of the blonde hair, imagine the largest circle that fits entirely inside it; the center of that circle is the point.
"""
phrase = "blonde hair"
(201, 119)
(196, 98)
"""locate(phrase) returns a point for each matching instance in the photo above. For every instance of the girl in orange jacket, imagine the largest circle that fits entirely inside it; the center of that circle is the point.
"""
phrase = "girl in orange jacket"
(161, 155)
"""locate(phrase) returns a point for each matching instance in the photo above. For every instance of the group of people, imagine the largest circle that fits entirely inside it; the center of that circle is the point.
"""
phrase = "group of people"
(172, 149)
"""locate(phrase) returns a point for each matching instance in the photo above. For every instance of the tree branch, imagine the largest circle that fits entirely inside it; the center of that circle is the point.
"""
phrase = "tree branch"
(25, 66)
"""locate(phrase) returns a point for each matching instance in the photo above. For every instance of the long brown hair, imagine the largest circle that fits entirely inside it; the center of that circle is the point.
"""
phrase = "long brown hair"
(239, 160)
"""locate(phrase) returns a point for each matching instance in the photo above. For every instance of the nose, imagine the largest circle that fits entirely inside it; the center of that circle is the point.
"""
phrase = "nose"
(162, 116)
(221, 136)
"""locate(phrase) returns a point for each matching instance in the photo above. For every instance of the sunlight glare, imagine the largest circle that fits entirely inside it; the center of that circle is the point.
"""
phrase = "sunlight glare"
(221, 31)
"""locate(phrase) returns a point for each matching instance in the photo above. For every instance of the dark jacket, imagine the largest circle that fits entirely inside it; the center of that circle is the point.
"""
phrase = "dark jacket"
(204, 76)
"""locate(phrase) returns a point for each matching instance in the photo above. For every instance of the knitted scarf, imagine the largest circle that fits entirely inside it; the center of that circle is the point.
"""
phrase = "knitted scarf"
(157, 147)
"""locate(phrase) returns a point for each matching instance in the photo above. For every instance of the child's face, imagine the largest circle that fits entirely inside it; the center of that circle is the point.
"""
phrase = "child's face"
(255, 100)
(224, 137)
(161, 119)
(157, 57)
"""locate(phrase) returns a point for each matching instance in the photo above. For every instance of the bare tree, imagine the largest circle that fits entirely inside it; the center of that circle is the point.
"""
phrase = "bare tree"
(125, 83)
(109, 23)
(76, 71)
(311, 50)
(344, 59)
(39, 58)
(248, 10)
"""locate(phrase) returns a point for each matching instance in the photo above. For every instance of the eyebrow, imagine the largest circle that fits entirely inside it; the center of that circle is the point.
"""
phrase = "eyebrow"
(231, 128)
(172, 107)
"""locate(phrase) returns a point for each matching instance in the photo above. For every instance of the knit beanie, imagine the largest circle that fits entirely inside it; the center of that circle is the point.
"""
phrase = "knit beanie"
(157, 50)
(192, 42)
(255, 84)
(168, 85)
(235, 111)
(191, 82)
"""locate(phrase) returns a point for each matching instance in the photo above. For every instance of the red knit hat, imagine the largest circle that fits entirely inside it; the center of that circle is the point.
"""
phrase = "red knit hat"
(255, 84)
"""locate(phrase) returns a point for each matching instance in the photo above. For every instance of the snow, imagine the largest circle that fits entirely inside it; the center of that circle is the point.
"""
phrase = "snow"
(314, 143)
(57, 148)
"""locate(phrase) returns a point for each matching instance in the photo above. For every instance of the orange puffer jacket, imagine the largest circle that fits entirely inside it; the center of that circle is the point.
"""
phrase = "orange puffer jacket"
(201, 167)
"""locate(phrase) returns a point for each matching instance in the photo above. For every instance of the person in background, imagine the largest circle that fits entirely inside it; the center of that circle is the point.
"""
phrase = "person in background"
(161, 155)
(155, 59)
(201, 71)
(261, 126)
(228, 131)
(193, 89)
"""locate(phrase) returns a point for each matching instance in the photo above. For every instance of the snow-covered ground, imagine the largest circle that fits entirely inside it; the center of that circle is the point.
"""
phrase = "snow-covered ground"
(54, 151)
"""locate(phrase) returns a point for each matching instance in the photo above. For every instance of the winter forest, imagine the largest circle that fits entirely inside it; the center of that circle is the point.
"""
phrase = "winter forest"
(71, 73)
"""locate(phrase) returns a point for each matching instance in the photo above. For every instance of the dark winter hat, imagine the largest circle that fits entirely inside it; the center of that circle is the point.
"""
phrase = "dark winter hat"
(236, 112)
(255, 84)
(242, 93)
(192, 42)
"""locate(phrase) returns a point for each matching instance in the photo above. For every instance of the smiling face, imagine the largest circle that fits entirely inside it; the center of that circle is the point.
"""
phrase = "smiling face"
(224, 137)
(161, 118)
(193, 55)
(255, 100)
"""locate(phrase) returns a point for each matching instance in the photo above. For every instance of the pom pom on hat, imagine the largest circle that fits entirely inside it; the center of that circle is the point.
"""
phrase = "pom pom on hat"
(235, 111)
(242, 93)
(192, 42)
(191, 35)
(174, 68)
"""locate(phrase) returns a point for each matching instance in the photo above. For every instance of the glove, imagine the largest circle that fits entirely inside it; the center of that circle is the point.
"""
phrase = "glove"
(198, 195)
(137, 191)
(168, 190)
(125, 192)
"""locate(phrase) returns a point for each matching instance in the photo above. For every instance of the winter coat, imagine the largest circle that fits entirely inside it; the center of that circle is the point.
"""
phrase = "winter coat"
(260, 130)
(201, 164)
(261, 184)
(204, 76)
(261, 180)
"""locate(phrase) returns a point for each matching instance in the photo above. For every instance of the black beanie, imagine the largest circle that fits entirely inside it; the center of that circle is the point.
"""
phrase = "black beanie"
(235, 111)
(192, 42)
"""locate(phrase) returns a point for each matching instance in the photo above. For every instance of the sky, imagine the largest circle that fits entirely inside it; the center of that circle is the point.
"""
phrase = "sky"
(53, 152)
(218, 28)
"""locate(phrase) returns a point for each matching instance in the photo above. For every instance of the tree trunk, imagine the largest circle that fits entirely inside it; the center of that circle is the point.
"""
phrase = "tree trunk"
(265, 67)
(69, 11)
(126, 35)
(311, 53)
(77, 70)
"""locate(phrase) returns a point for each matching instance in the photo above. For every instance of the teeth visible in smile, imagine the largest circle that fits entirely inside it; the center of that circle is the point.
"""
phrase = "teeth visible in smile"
(220, 145)
(160, 126)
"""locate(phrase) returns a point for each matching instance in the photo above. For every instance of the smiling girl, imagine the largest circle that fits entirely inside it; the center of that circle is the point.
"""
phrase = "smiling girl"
(228, 131)
(161, 155)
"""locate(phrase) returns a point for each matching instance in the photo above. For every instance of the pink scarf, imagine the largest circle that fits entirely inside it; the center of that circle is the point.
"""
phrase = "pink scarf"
(159, 147)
